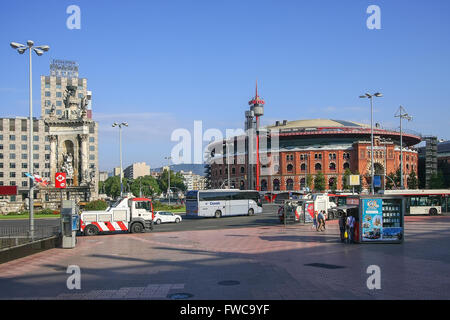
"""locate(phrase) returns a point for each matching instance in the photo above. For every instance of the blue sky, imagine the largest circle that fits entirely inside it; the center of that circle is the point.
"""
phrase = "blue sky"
(160, 65)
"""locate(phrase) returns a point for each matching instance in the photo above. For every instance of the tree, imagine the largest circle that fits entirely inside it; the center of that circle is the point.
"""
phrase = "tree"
(319, 181)
(176, 180)
(390, 180)
(345, 182)
(309, 181)
(112, 186)
(97, 205)
(437, 180)
(412, 181)
(146, 186)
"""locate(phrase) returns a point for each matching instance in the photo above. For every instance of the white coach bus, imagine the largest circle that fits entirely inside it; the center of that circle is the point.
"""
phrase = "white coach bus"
(222, 202)
(430, 202)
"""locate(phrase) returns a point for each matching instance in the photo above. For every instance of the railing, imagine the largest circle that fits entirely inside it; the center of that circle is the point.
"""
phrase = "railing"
(12, 236)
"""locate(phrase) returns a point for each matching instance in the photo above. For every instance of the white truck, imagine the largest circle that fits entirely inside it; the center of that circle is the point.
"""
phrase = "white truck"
(322, 202)
(127, 214)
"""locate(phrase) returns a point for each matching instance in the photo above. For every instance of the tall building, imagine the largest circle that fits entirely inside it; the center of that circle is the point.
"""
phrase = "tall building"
(65, 139)
(14, 153)
(136, 170)
(193, 181)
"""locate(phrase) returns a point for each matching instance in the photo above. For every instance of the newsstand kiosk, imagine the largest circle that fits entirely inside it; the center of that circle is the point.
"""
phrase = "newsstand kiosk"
(381, 219)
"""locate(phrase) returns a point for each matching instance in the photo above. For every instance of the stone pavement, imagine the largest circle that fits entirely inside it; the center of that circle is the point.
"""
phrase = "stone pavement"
(273, 262)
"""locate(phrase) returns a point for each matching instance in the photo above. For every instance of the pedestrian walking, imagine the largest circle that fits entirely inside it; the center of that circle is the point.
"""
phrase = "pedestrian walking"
(321, 221)
(315, 220)
(350, 228)
(342, 224)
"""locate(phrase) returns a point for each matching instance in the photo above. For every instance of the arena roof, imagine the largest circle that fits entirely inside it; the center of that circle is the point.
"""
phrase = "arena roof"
(314, 123)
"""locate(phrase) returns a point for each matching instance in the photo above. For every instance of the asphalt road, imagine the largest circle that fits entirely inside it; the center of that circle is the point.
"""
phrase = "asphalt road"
(268, 217)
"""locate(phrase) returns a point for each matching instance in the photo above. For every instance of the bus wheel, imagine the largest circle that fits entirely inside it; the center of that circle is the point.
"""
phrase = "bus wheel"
(218, 214)
(251, 212)
(433, 212)
(91, 230)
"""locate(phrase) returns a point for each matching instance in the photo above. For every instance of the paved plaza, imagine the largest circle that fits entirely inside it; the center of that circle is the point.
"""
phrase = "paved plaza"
(265, 262)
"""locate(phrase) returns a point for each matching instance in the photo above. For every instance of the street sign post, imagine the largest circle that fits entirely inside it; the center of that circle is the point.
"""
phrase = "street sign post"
(60, 183)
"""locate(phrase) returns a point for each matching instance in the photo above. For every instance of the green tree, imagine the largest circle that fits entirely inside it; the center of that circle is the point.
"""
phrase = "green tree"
(412, 181)
(147, 186)
(112, 186)
(345, 182)
(437, 180)
(176, 180)
(309, 181)
(319, 182)
(97, 205)
(390, 180)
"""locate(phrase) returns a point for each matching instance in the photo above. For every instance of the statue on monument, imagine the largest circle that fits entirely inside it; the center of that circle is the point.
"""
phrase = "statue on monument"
(67, 166)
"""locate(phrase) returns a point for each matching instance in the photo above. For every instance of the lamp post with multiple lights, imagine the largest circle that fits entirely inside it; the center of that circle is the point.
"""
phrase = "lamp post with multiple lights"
(370, 96)
(401, 114)
(39, 50)
(115, 124)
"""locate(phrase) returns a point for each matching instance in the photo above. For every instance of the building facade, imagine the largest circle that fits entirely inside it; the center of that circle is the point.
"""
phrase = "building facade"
(136, 170)
(65, 139)
(193, 181)
(307, 147)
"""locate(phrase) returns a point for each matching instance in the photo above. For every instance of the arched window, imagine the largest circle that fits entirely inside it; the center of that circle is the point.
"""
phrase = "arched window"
(346, 165)
(276, 185)
(318, 167)
(233, 170)
(302, 183)
(303, 166)
(331, 182)
(242, 169)
(290, 167)
(332, 166)
(263, 185)
(289, 184)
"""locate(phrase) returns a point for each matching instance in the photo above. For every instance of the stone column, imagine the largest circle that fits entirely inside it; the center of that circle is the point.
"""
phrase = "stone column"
(53, 153)
(84, 158)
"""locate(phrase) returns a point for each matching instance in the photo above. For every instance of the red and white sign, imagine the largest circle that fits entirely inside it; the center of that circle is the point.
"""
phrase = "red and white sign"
(60, 180)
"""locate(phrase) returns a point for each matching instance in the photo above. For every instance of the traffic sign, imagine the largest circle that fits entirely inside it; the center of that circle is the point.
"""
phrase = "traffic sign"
(60, 180)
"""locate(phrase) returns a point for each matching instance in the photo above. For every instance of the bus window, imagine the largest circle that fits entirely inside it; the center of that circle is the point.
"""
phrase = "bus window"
(191, 195)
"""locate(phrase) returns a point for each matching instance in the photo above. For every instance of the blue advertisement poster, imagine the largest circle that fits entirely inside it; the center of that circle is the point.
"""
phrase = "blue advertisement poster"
(372, 220)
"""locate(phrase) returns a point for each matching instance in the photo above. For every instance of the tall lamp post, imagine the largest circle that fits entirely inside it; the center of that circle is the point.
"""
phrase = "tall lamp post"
(115, 124)
(370, 96)
(168, 175)
(39, 50)
(401, 114)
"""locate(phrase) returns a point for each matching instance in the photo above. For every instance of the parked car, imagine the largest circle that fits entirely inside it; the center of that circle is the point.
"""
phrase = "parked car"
(165, 216)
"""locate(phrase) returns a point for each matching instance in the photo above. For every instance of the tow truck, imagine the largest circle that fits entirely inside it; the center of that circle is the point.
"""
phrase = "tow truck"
(134, 215)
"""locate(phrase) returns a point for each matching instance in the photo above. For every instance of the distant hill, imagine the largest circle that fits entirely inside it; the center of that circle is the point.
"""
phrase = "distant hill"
(195, 168)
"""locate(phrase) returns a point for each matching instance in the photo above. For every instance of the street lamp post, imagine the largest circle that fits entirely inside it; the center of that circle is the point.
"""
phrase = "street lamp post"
(168, 187)
(228, 165)
(370, 96)
(401, 114)
(115, 124)
(39, 50)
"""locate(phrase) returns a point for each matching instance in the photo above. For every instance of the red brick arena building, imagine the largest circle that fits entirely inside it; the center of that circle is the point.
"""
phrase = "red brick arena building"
(306, 147)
